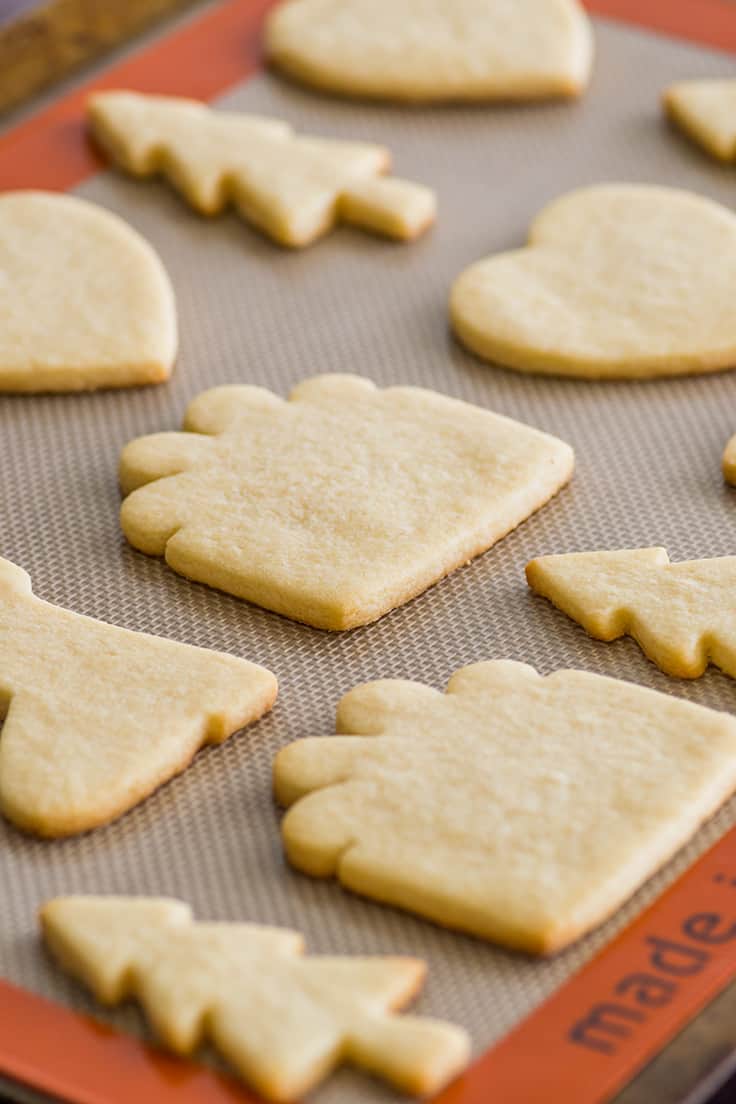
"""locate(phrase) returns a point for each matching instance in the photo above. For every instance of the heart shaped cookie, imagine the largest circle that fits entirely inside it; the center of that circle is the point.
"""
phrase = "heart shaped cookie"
(84, 300)
(434, 50)
(616, 281)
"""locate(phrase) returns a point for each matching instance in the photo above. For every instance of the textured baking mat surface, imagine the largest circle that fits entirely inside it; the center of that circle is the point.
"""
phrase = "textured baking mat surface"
(648, 457)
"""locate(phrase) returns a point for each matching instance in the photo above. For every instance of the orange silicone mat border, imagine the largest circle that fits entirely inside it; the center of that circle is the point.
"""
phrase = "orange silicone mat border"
(61, 1052)
(580, 1046)
(708, 22)
(201, 59)
(221, 48)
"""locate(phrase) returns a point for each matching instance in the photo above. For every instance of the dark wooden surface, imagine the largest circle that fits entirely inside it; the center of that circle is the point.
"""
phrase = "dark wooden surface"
(41, 42)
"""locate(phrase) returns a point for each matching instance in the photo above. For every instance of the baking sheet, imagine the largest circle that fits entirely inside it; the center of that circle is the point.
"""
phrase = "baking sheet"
(648, 472)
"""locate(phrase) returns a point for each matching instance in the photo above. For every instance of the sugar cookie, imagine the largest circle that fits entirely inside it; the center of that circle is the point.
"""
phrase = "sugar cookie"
(97, 717)
(338, 505)
(680, 614)
(519, 808)
(434, 50)
(282, 1020)
(84, 300)
(616, 281)
(728, 461)
(294, 189)
(706, 111)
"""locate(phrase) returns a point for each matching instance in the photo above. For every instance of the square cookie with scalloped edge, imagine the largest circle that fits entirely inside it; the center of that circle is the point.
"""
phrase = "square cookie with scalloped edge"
(519, 808)
(339, 504)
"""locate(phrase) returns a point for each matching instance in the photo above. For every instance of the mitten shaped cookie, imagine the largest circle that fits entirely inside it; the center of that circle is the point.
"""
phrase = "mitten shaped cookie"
(283, 1021)
(519, 808)
(85, 300)
(97, 717)
(341, 503)
(294, 189)
(616, 281)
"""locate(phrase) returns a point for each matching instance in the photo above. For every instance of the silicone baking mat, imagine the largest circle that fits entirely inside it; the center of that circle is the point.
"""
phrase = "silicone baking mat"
(648, 472)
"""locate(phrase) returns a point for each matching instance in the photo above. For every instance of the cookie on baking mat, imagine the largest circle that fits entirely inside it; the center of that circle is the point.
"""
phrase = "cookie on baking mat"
(706, 111)
(682, 615)
(292, 188)
(518, 808)
(85, 301)
(339, 504)
(728, 461)
(434, 50)
(616, 280)
(97, 717)
(282, 1020)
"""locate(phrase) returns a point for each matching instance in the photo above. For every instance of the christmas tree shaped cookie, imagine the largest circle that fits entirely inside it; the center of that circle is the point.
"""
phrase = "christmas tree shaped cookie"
(294, 189)
(616, 280)
(85, 301)
(434, 50)
(519, 808)
(706, 111)
(97, 717)
(339, 504)
(281, 1019)
(681, 614)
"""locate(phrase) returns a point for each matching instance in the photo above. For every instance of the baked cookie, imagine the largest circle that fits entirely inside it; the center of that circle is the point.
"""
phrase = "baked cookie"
(728, 462)
(617, 280)
(293, 189)
(97, 717)
(434, 50)
(84, 300)
(521, 809)
(681, 614)
(282, 1020)
(338, 505)
(706, 111)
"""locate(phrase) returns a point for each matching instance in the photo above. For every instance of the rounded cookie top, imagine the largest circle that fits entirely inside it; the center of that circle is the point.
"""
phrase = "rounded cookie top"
(616, 280)
(85, 301)
(434, 50)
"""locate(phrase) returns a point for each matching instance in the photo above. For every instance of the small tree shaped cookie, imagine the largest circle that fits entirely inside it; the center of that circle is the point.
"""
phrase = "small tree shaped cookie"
(97, 717)
(282, 1020)
(519, 808)
(706, 111)
(293, 189)
(338, 505)
(681, 614)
